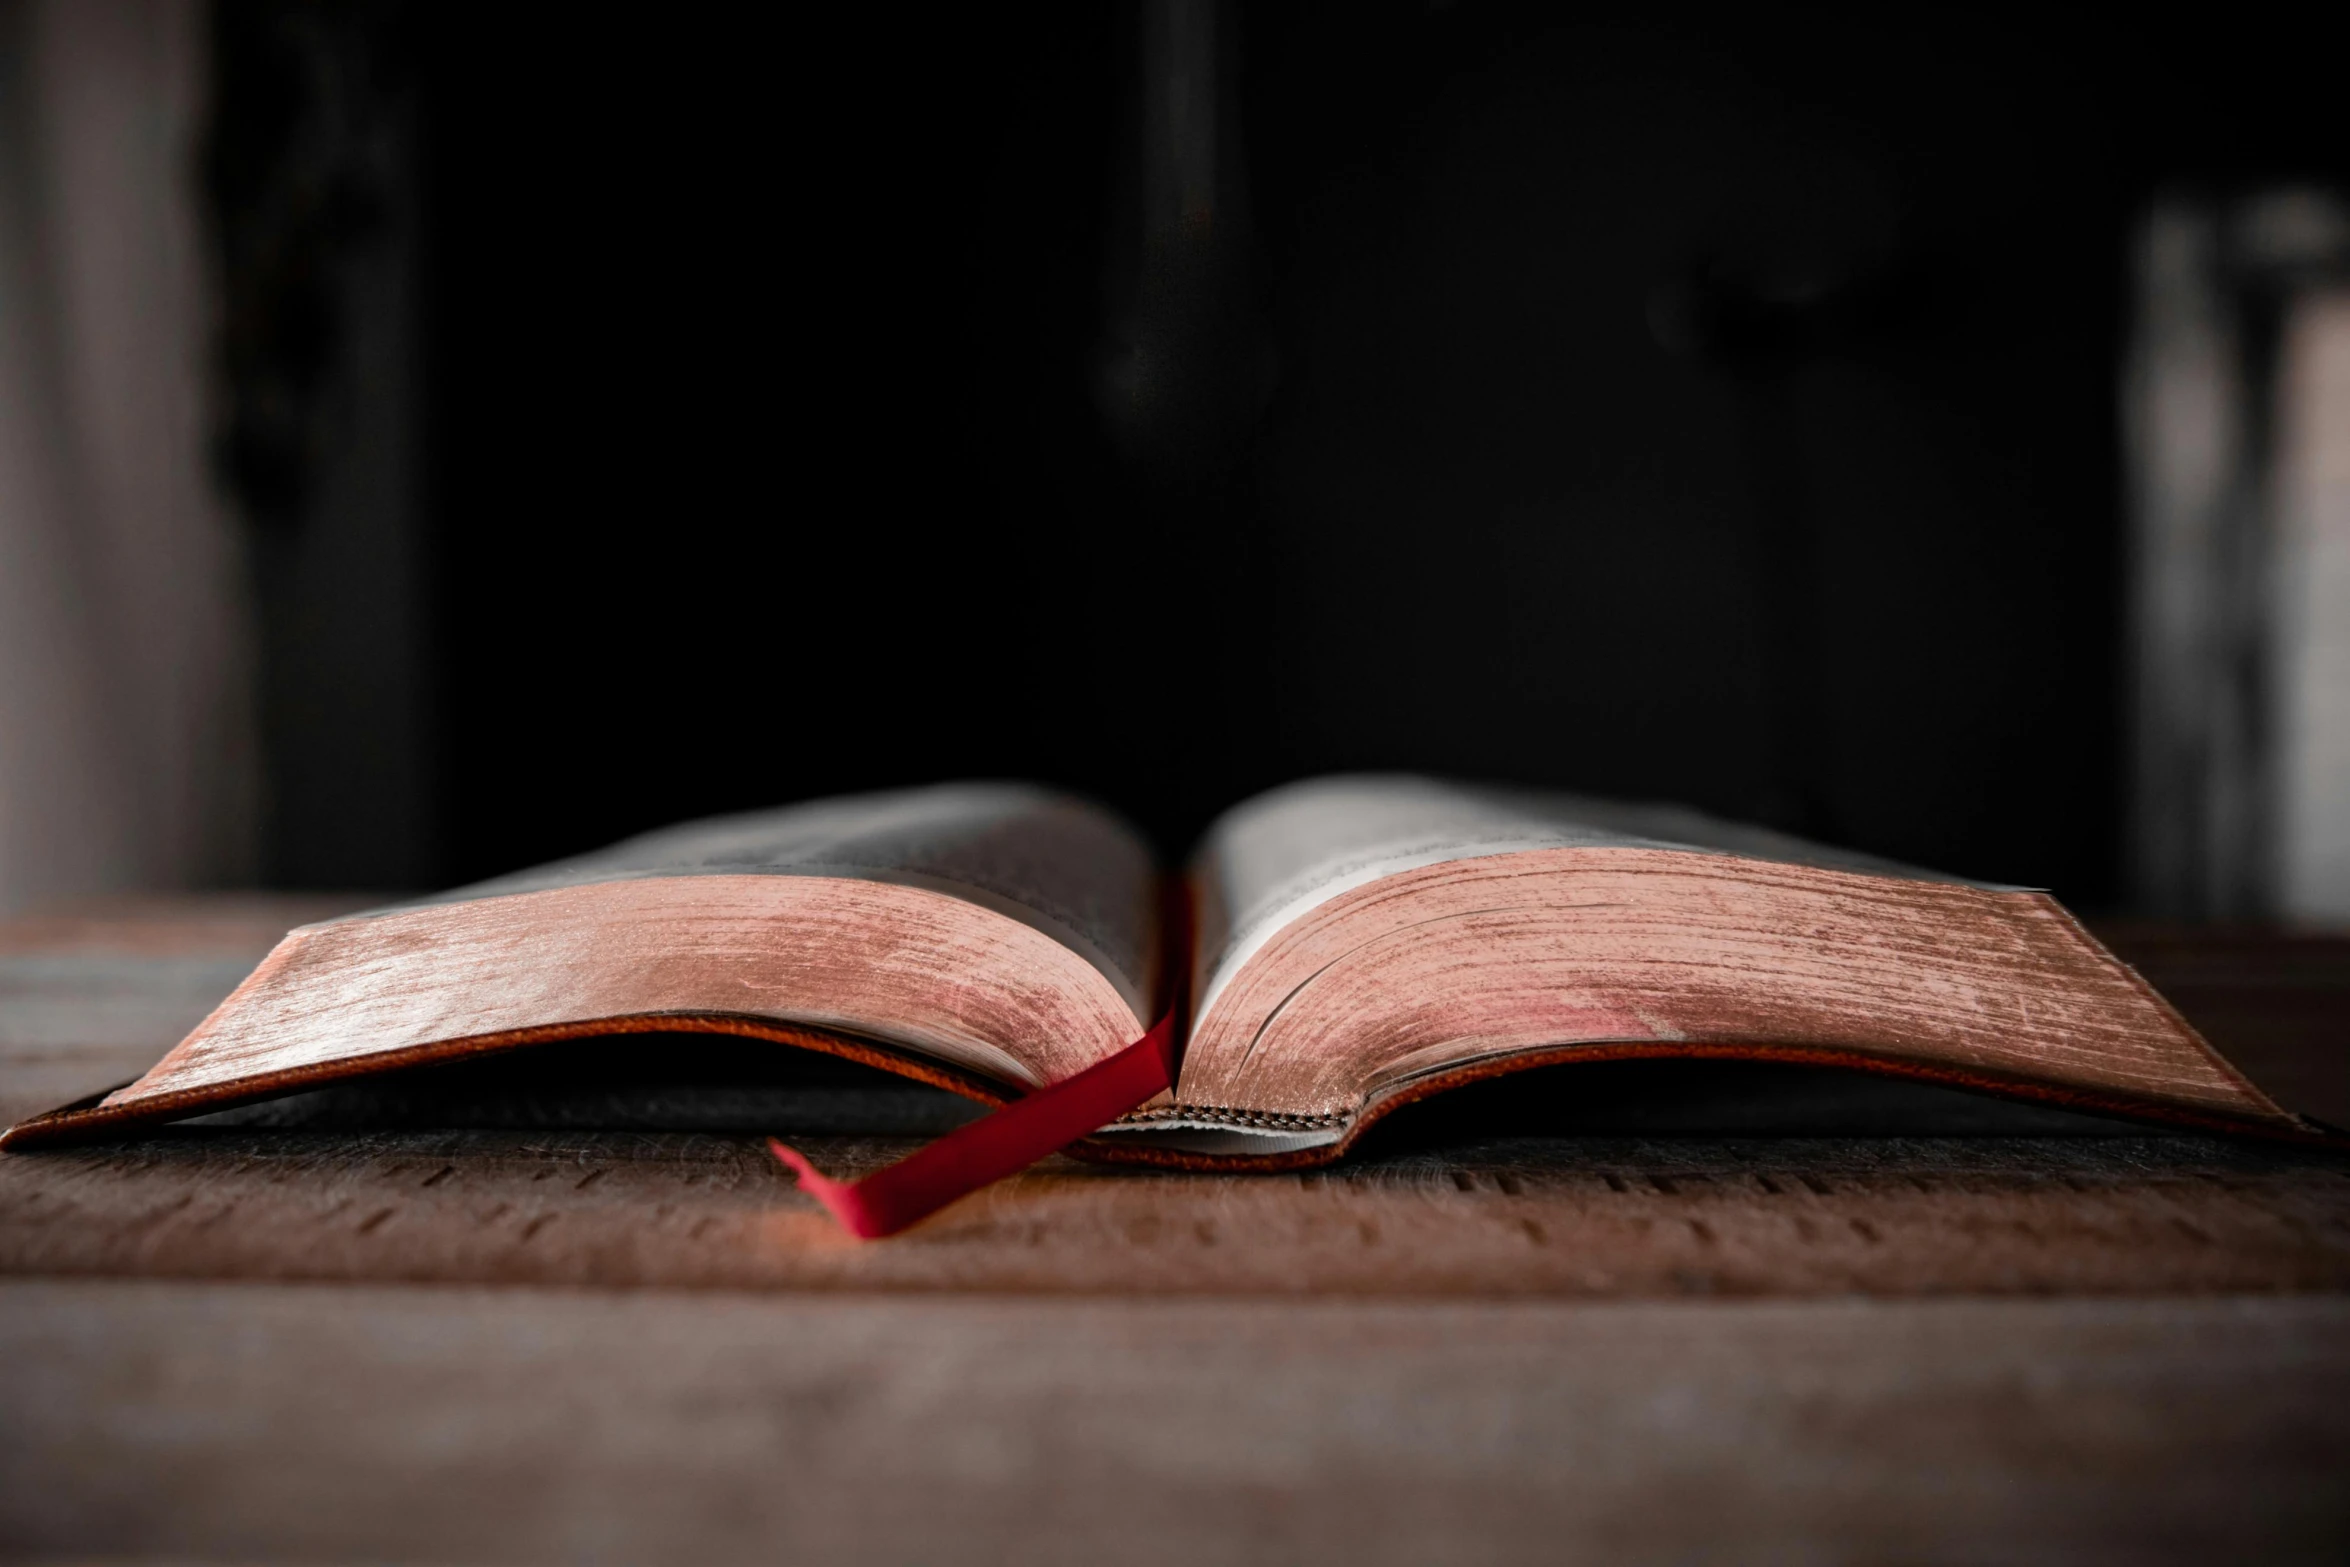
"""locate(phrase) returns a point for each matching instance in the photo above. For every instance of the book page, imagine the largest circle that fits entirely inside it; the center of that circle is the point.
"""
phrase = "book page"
(1269, 860)
(1058, 864)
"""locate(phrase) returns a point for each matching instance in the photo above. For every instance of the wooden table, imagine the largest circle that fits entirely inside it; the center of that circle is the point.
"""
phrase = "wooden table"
(515, 1346)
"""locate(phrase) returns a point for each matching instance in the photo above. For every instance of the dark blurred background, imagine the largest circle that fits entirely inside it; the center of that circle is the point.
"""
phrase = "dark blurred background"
(647, 416)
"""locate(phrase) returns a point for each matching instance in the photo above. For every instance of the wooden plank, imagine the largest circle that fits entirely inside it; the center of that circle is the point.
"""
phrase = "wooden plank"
(1564, 1217)
(252, 1423)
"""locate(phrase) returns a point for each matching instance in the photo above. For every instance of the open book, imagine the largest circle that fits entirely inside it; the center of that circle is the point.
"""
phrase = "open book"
(1338, 948)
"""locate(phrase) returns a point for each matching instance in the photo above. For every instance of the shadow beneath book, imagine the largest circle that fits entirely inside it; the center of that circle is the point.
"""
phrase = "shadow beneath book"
(720, 1084)
(625, 1082)
(1715, 1099)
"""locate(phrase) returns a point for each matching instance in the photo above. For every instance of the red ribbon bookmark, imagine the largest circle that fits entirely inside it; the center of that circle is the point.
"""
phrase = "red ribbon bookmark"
(996, 1145)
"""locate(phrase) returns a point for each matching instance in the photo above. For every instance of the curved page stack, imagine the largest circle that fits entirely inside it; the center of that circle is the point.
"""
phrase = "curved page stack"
(1353, 944)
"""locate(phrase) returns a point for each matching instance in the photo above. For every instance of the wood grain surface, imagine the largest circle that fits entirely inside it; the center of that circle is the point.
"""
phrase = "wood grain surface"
(235, 1423)
(1582, 1218)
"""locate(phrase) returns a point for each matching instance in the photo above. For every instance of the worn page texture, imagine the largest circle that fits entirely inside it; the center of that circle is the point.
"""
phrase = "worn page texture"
(1271, 859)
(1059, 864)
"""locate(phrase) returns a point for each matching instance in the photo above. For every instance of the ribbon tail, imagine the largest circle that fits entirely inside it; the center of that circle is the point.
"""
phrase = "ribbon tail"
(996, 1145)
